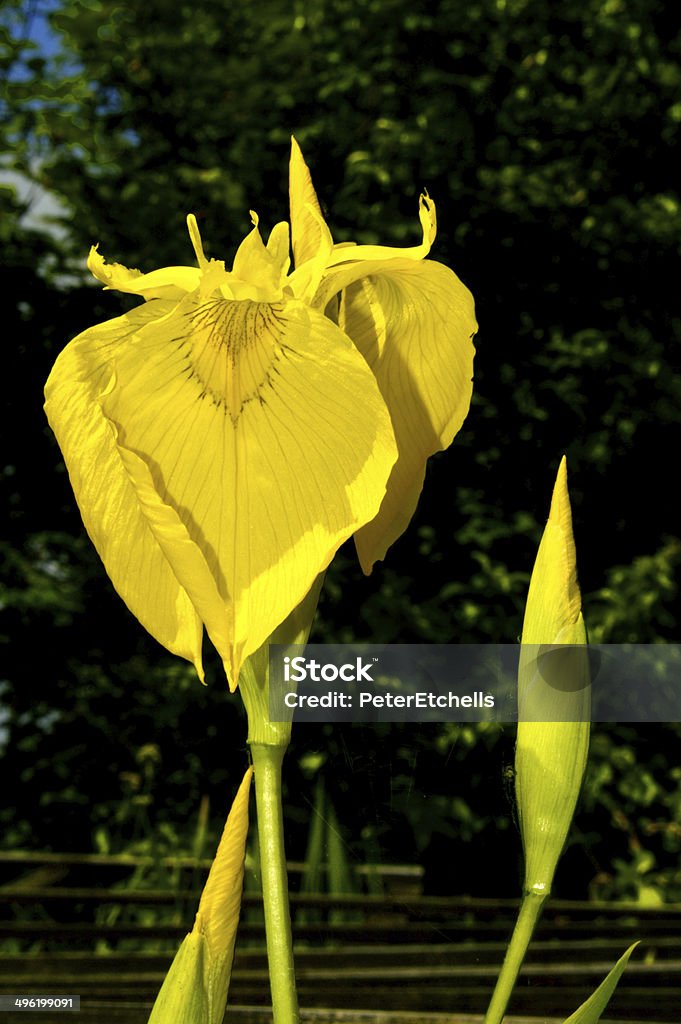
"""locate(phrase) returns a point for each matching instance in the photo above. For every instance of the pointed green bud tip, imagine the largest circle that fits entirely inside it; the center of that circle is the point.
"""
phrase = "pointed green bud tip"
(553, 697)
(554, 603)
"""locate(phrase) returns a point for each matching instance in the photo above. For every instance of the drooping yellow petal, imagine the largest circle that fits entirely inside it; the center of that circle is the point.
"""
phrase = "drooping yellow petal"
(349, 263)
(167, 283)
(413, 322)
(107, 501)
(262, 427)
(183, 554)
(553, 698)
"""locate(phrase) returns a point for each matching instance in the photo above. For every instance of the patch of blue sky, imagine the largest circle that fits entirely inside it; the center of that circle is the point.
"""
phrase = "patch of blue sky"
(30, 22)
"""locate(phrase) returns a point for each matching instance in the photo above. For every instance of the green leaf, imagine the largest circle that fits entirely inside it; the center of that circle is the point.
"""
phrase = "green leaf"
(590, 1011)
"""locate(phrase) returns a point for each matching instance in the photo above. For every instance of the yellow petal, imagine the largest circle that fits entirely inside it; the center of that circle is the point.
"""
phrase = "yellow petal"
(323, 269)
(428, 218)
(182, 553)
(278, 245)
(413, 322)
(263, 267)
(264, 430)
(553, 683)
(310, 235)
(168, 283)
(107, 501)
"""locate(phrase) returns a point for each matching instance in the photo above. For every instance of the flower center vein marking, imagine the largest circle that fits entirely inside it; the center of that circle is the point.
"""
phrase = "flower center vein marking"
(233, 347)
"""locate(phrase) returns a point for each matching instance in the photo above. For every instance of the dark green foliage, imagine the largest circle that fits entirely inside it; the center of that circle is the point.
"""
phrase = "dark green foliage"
(547, 132)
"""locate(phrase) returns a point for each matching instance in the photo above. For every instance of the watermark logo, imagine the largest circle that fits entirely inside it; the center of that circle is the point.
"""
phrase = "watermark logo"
(475, 682)
(297, 670)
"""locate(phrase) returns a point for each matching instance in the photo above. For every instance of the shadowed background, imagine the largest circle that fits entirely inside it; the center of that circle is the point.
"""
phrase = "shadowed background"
(548, 135)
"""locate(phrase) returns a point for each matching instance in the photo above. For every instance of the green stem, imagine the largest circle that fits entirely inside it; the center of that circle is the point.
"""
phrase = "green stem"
(530, 909)
(267, 761)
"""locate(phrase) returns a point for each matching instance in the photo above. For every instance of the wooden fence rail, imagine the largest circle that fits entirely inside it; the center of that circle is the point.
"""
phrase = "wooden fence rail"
(396, 958)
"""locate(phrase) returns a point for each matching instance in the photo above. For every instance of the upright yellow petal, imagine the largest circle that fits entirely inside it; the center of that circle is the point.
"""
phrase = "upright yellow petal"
(263, 267)
(553, 683)
(279, 245)
(247, 418)
(413, 322)
(107, 501)
(309, 234)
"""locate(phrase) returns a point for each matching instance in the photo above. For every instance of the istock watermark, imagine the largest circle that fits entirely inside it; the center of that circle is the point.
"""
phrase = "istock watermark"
(475, 682)
(299, 669)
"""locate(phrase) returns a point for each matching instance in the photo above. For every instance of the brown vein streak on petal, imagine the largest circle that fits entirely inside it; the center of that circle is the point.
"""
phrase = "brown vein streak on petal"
(232, 348)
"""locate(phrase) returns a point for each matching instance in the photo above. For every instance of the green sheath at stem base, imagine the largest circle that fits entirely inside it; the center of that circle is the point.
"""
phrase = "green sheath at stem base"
(267, 761)
(530, 909)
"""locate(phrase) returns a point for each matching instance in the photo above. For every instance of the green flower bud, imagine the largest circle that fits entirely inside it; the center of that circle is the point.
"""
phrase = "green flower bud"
(553, 698)
(195, 988)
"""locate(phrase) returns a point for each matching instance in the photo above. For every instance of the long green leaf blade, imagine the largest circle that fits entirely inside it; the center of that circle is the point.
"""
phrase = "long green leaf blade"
(590, 1011)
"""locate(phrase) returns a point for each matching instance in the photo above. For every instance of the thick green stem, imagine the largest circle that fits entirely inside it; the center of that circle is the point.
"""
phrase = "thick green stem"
(530, 909)
(267, 761)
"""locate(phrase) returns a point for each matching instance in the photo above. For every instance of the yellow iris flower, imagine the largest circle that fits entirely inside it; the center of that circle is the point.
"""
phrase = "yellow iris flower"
(225, 437)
